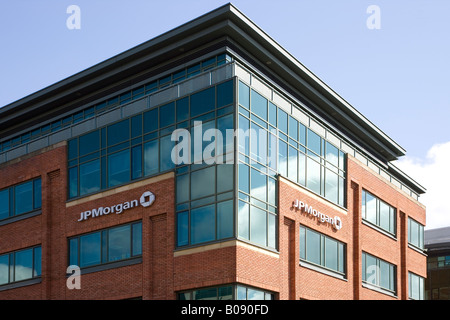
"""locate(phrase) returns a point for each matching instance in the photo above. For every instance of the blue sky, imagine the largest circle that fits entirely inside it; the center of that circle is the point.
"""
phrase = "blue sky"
(397, 76)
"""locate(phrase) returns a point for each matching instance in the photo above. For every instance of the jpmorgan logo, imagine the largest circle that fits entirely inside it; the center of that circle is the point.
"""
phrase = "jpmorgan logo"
(146, 200)
(335, 222)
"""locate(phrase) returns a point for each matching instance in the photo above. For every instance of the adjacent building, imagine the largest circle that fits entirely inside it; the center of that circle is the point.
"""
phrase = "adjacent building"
(437, 283)
(206, 163)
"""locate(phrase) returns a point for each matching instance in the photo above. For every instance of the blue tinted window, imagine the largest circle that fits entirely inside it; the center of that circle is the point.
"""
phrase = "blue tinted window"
(90, 249)
(23, 195)
(244, 95)
(293, 128)
(166, 147)
(73, 182)
(37, 193)
(225, 94)
(167, 115)
(182, 109)
(151, 120)
(203, 101)
(136, 126)
(119, 243)
(259, 105)
(23, 263)
(314, 142)
(136, 158)
(202, 220)
(118, 132)
(89, 143)
(258, 226)
(73, 149)
(151, 157)
(90, 177)
(272, 114)
(137, 239)
(282, 121)
(119, 168)
(4, 204)
(182, 228)
(225, 219)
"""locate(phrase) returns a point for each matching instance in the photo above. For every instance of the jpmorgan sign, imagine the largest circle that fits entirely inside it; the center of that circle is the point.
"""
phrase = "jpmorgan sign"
(336, 222)
(146, 200)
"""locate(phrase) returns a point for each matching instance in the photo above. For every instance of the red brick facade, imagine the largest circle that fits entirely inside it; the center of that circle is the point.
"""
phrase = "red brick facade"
(165, 270)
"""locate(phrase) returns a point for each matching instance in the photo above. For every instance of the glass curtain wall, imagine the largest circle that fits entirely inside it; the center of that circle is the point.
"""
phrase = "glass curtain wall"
(273, 142)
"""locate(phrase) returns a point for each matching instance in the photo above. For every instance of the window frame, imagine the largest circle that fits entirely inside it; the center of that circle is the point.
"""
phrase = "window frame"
(322, 256)
(36, 201)
(104, 246)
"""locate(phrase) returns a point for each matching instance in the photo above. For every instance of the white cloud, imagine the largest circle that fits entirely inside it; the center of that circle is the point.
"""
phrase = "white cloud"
(433, 173)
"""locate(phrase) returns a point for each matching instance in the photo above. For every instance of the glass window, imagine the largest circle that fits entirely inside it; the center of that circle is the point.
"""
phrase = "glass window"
(4, 269)
(225, 94)
(202, 224)
(20, 199)
(119, 243)
(225, 219)
(113, 244)
(89, 143)
(118, 132)
(244, 95)
(293, 128)
(258, 185)
(151, 120)
(224, 177)
(244, 184)
(378, 212)
(23, 195)
(259, 105)
(203, 101)
(272, 114)
(183, 228)
(282, 158)
(23, 265)
(243, 220)
(4, 204)
(167, 115)
(292, 164)
(282, 121)
(90, 249)
(322, 250)
(312, 246)
(415, 233)
(416, 286)
(151, 157)
(332, 154)
(314, 143)
(182, 187)
(378, 272)
(182, 109)
(313, 175)
(201, 182)
(119, 168)
(20, 265)
(166, 146)
(258, 226)
(90, 177)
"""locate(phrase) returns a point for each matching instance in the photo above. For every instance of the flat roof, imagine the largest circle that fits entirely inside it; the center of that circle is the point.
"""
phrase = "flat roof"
(226, 22)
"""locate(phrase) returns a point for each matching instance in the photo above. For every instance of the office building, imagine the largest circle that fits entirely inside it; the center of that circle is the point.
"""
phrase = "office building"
(206, 163)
